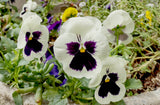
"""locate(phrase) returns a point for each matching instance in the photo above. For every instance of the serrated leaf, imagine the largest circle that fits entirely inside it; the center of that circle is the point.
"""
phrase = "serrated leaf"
(17, 98)
(133, 84)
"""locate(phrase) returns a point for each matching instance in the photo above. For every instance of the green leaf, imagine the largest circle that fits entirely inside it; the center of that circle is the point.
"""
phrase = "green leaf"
(51, 95)
(121, 102)
(133, 84)
(4, 76)
(61, 102)
(23, 62)
(7, 44)
(17, 98)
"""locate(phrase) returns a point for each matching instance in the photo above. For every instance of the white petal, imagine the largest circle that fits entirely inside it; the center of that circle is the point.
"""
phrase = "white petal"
(115, 65)
(80, 25)
(110, 97)
(95, 81)
(102, 45)
(30, 16)
(110, 37)
(129, 26)
(60, 47)
(114, 18)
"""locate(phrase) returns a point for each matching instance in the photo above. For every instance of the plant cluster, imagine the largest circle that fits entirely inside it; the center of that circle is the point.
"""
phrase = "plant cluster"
(82, 51)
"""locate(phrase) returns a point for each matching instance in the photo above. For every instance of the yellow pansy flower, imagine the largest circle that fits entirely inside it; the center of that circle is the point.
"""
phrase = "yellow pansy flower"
(149, 17)
(68, 13)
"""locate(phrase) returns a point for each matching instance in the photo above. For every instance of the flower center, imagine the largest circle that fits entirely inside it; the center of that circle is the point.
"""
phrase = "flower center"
(82, 50)
(30, 38)
(107, 80)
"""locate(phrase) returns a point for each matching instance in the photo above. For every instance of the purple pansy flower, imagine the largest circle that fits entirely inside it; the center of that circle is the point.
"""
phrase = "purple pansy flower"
(55, 26)
(81, 46)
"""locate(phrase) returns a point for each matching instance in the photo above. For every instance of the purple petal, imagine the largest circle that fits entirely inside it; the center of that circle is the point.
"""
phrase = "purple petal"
(32, 45)
(54, 26)
(49, 19)
(73, 47)
(27, 50)
(81, 60)
(48, 54)
(108, 6)
(54, 71)
(27, 36)
(90, 46)
(36, 34)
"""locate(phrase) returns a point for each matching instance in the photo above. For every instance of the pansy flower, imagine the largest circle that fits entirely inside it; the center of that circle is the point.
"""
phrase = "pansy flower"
(110, 81)
(33, 38)
(30, 5)
(55, 26)
(55, 70)
(80, 48)
(118, 27)
(68, 13)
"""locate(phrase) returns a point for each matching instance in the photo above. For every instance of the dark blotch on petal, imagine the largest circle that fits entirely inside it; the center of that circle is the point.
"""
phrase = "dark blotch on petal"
(83, 59)
(27, 35)
(27, 50)
(25, 10)
(113, 77)
(90, 46)
(73, 48)
(33, 45)
(110, 86)
(36, 34)
(123, 37)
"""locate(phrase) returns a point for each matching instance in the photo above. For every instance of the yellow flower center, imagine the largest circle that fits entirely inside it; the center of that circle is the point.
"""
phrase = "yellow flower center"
(30, 38)
(82, 50)
(107, 80)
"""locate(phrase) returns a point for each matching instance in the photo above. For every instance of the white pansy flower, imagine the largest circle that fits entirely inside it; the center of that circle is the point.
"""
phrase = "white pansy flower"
(30, 5)
(121, 21)
(33, 38)
(110, 81)
(82, 4)
(81, 46)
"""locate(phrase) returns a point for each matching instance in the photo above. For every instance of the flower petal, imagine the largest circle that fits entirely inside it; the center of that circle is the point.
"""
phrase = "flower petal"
(80, 25)
(110, 98)
(115, 18)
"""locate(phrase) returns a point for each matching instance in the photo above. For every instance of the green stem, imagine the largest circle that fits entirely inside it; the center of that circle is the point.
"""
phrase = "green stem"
(38, 95)
(25, 90)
